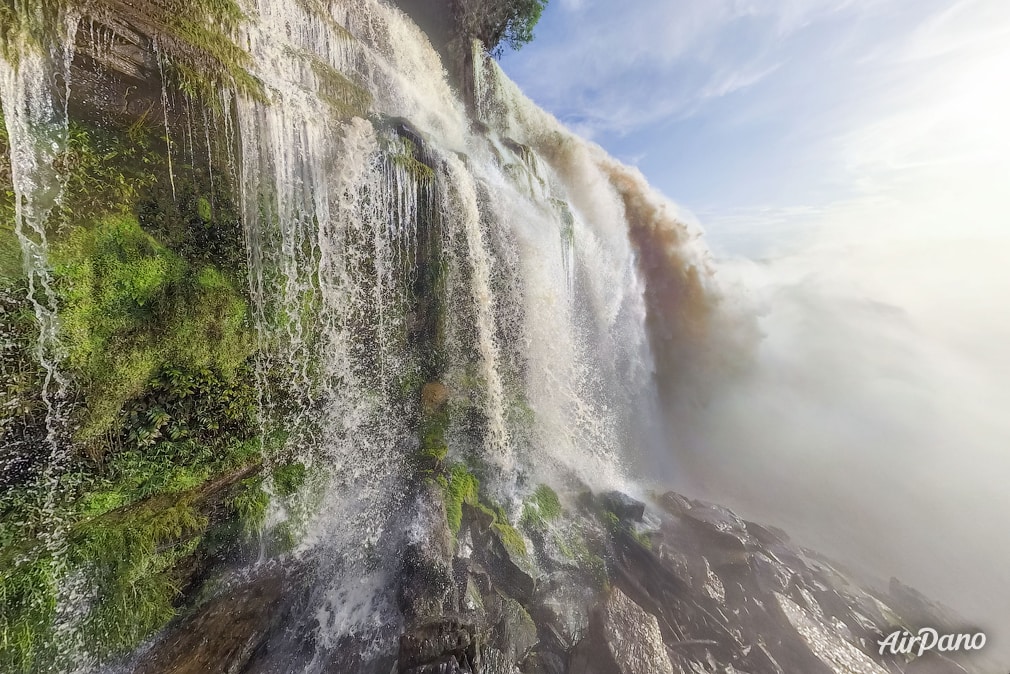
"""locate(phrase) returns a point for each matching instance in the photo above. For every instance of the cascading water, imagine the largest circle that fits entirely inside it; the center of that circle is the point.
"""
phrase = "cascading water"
(37, 128)
(36, 115)
(332, 221)
(363, 191)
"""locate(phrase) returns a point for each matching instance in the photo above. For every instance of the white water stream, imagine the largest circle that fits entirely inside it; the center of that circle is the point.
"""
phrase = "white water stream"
(546, 299)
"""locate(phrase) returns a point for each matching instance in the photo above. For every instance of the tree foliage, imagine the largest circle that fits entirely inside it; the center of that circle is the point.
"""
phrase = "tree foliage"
(499, 23)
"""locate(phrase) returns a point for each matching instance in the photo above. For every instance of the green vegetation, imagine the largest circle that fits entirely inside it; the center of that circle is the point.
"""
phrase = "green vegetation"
(250, 504)
(574, 546)
(132, 307)
(344, 97)
(540, 508)
(508, 23)
(289, 479)
(434, 448)
(615, 524)
(508, 534)
(129, 555)
(459, 487)
(404, 154)
(158, 350)
(10, 250)
(194, 38)
(28, 24)
(118, 165)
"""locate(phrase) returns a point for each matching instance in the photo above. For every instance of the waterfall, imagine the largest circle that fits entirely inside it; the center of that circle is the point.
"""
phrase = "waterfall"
(462, 205)
(37, 129)
(364, 190)
(36, 116)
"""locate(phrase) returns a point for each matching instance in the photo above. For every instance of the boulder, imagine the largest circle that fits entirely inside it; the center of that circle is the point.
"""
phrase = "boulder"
(544, 662)
(224, 634)
(513, 631)
(622, 639)
(508, 569)
(622, 505)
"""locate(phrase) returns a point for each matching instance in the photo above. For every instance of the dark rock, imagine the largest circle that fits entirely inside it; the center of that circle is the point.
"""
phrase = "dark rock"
(494, 661)
(710, 592)
(513, 573)
(427, 588)
(443, 646)
(674, 503)
(544, 662)
(561, 609)
(622, 505)
(510, 571)
(513, 631)
(223, 635)
(622, 639)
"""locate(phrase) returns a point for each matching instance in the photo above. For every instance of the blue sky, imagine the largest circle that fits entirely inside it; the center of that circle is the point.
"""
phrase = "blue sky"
(774, 122)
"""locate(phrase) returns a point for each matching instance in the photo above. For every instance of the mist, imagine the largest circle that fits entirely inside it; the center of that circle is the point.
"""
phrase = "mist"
(868, 415)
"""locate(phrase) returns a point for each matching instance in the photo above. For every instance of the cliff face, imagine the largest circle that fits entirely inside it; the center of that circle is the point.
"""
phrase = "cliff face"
(308, 364)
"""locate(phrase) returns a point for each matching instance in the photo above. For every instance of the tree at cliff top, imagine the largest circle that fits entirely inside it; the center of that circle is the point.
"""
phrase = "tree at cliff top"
(499, 24)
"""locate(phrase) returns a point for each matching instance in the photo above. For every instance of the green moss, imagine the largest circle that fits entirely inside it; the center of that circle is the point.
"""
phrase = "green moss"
(459, 487)
(540, 508)
(10, 254)
(641, 538)
(403, 153)
(128, 553)
(203, 209)
(30, 24)
(250, 503)
(614, 524)
(433, 448)
(155, 330)
(574, 547)
(345, 97)
(10, 248)
(321, 10)
(288, 479)
(194, 37)
(27, 609)
(510, 536)
(131, 306)
(106, 171)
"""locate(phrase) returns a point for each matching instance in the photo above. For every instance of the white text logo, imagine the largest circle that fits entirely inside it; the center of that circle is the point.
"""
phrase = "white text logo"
(928, 639)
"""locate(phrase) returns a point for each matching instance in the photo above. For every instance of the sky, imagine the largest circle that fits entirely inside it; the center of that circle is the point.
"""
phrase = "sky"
(849, 164)
(772, 120)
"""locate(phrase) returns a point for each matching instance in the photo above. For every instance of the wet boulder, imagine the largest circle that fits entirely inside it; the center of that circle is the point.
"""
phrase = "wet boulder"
(623, 506)
(224, 634)
(622, 639)
(513, 631)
